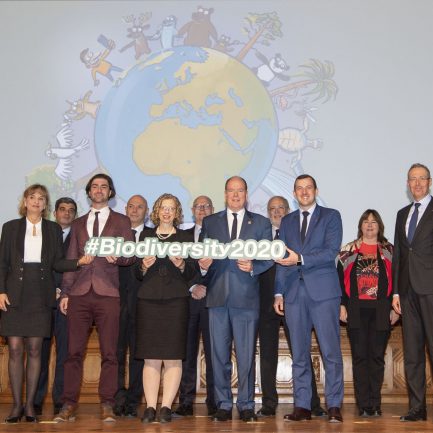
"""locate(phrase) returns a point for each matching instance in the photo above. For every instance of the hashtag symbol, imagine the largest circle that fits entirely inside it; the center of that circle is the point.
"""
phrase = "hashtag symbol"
(92, 246)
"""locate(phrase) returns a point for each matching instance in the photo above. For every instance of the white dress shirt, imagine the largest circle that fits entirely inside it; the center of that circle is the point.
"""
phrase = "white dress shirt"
(424, 203)
(102, 219)
(240, 218)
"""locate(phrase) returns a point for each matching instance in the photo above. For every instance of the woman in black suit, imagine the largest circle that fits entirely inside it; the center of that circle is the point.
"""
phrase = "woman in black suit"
(30, 249)
(163, 309)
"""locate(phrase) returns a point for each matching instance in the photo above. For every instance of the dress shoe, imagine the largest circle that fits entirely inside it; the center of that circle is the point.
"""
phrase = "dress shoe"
(365, 412)
(148, 415)
(211, 409)
(334, 415)
(57, 408)
(184, 410)
(265, 411)
(164, 414)
(38, 409)
(377, 411)
(67, 413)
(298, 414)
(415, 415)
(318, 411)
(247, 415)
(107, 413)
(119, 409)
(222, 415)
(30, 418)
(130, 410)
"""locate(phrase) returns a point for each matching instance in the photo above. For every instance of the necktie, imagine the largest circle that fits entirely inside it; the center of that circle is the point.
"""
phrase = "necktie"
(277, 234)
(304, 225)
(96, 225)
(134, 234)
(412, 223)
(234, 233)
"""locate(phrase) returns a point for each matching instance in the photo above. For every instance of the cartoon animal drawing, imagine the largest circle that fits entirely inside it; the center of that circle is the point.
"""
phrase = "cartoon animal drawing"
(200, 29)
(64, 151)
(225, 45)
(295, 140)
(139, 40)
(166, 33)
(270, 69)
(97, 63)
(80, 108)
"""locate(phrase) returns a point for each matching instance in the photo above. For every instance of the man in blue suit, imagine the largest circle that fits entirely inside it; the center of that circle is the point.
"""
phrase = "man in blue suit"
(233, 300)
(307, 291)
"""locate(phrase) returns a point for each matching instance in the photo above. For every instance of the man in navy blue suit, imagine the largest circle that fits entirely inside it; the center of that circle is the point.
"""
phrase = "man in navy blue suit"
(233, 300)
(307, 291)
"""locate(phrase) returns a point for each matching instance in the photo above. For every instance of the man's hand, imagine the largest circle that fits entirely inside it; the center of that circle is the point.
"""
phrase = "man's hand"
(4, 300)
(86, 260)
(245, 265)
(393, 317)
(396, 304)
(343, 313)
(279, 305)
(205, 263)
(291, 260)
(63, 305)
(198, 291)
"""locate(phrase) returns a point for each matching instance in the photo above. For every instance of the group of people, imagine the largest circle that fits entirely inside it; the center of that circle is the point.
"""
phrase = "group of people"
(157, 308)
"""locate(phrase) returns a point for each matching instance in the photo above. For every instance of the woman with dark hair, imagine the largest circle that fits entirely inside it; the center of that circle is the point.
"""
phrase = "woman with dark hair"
(30, 249)
(162, 309)
(365, 275)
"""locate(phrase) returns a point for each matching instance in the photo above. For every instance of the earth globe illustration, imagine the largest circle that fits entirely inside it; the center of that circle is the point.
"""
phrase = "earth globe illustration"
(183, 121)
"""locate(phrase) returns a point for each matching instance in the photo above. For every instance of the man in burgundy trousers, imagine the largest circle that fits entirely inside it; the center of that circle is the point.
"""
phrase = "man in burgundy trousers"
(92, 296)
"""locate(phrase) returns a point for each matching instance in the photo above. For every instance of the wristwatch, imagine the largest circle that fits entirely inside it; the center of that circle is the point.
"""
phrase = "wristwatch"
(299, 262)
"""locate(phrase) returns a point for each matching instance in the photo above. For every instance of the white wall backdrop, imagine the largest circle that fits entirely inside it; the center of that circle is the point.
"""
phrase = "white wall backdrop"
(340, 89)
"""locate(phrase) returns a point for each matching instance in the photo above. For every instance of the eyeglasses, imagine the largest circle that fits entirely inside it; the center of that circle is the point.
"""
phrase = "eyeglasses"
(202, 206)
(419, 179)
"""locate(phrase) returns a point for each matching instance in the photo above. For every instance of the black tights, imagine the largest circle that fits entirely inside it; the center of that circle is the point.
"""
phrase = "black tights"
(16, 371)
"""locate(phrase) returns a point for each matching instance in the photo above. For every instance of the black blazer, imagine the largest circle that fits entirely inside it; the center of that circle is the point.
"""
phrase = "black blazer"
(163, 280)
(12, 259)
(413, 262)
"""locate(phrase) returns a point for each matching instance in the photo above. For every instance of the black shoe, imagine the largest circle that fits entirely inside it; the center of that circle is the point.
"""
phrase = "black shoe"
(184, 410)
(14, 419)
(265, 411)
(377, 411)
(247, 415)
(57, 408)
(31, 418)
(222, 415)
(365, 412)
(334, 415)
(38, 409)
(318, 411)
(130, 410)
(148, 415)
(165, 414)
(119, 410)
(211, 409)
(415, 415)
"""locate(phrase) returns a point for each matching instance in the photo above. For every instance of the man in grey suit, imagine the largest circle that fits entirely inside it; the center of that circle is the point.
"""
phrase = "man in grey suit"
(413, 286)
(233, 300)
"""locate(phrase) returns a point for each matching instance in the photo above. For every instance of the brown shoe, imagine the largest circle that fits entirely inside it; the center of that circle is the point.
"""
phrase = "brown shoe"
(66, 414)
(107, 413)
(298, 414)
(334, 415)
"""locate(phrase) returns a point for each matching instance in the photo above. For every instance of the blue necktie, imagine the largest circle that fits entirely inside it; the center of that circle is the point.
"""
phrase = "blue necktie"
(412, 223)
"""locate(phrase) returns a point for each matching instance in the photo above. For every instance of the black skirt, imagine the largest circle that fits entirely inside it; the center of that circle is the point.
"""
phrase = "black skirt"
(162, 327)
(31, 318)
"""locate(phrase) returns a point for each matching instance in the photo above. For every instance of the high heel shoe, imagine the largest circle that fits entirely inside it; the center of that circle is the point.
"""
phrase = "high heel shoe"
(31, 418)
(14, 419)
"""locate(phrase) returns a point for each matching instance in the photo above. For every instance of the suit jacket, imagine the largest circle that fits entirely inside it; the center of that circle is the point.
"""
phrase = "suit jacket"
(12, 259)
(58, 276)
(319, 251)
(226, 283)
(413, 262)
(100, 274)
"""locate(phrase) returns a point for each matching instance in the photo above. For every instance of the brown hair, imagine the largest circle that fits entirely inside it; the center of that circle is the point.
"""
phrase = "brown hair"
(154, 217)
(22, 210)
(381, 235)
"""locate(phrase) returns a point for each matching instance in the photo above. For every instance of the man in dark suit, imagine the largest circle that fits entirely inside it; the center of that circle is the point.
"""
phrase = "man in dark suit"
(92, 295)
(233, 300)
(413, 286)
(128, 399)
(198, 324)
(270, 323)
(65, 211)
(308, 281)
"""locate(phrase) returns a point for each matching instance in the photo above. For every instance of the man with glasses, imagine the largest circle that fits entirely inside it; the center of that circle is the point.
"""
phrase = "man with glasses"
(413, 286)
(198, 324)
(233, 300)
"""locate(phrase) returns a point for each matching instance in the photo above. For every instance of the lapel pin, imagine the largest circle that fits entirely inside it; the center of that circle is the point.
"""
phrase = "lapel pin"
(250, 222)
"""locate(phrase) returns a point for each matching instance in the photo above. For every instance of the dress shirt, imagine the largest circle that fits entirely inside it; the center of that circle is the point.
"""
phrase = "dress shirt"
(138, 231)
(301, 217)
(102, 219)
(240, 218)
(33, 244)
(274, 231)
(197, 231)
(424, 203)
(66, 231)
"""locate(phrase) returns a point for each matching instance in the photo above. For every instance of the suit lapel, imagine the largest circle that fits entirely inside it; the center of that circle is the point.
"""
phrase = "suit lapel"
(108, 223)
(246, 225)
(21, 235)
(312, 225)
(46, 234)
(224, 226)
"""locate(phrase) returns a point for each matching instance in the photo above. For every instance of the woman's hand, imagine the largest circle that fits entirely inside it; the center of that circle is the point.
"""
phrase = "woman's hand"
(343, 314)
(4, 300)
(147, 262)
(178, 261)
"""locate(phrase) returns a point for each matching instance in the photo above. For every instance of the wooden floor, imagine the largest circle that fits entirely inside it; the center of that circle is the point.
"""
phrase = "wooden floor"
(87, 421)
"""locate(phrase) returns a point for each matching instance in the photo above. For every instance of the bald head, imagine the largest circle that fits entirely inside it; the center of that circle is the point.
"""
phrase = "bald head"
(136, 210)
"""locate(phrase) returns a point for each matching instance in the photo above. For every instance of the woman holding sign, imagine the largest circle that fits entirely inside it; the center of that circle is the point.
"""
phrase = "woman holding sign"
(162, 309)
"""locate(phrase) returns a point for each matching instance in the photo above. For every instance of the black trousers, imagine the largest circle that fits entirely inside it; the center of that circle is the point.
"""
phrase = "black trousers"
(368, 359)
(269, 328)
(417, 318)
